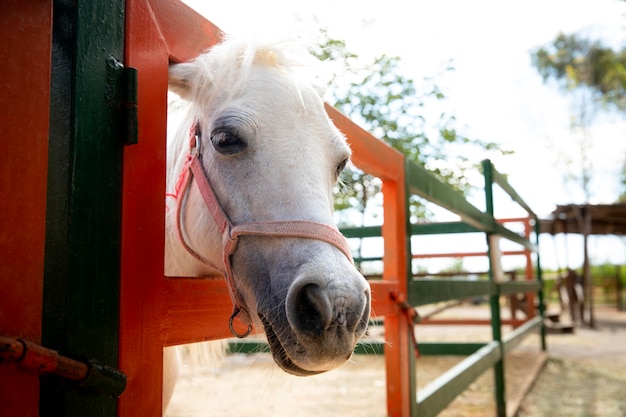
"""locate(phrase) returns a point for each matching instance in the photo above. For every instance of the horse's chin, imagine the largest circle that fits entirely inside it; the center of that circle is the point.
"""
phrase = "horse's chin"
(280, 355)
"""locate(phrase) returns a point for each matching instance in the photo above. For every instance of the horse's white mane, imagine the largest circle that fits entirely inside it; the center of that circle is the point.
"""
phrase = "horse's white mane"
(229, 63)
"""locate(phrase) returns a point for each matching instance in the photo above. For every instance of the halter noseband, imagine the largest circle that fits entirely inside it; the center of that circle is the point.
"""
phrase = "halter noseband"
(193, 169)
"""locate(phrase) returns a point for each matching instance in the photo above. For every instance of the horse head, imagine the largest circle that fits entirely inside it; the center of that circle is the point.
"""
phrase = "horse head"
(271, 156)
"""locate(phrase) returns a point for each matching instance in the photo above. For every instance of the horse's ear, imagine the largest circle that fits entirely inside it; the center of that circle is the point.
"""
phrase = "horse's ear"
(180, 79)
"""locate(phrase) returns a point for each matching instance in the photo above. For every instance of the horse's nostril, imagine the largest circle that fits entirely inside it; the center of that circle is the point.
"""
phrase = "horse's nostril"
(313, 310)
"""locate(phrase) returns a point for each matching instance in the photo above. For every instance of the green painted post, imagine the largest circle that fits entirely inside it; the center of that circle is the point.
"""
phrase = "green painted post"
(81, 277)
(494, 299)
(542, 307)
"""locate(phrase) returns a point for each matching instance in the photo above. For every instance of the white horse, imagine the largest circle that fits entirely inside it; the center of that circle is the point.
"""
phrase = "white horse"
(251, 170)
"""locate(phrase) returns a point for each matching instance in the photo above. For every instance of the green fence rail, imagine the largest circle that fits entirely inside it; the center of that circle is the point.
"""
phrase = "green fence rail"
(437, 395)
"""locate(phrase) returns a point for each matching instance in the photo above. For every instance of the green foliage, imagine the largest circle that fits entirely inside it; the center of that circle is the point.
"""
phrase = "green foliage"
(595, 78)
(394, 108)
(574, 62)
(604, 277)
(456, 265)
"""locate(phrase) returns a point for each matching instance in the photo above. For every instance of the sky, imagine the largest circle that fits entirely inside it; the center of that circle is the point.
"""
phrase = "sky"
(494, 92)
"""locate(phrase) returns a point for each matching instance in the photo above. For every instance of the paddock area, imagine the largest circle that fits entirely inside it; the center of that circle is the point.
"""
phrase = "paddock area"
(582, 374)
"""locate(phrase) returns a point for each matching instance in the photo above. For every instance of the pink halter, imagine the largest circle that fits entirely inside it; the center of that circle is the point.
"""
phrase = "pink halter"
(193, 169)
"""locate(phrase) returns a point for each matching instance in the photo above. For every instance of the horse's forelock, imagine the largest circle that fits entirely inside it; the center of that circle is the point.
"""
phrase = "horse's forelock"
(225, 69)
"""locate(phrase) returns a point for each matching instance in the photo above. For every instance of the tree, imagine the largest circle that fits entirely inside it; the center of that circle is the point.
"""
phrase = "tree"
(394, 108)
(594, 76)
(579, 63)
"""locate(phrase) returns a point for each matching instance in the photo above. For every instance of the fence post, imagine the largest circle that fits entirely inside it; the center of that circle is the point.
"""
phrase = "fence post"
(494, 299)
(24, 120)
(82, 251)
(399, 357)
(542, 305)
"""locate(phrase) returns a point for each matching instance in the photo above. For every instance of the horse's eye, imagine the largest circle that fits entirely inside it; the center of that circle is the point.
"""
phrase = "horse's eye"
(341, 167)
(227, 142)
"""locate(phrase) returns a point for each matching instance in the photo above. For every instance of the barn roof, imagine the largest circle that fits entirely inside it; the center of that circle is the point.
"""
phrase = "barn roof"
(605, 219)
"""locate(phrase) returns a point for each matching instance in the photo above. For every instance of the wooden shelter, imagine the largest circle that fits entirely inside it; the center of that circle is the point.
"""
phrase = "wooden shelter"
(594, 219)
(587, 219)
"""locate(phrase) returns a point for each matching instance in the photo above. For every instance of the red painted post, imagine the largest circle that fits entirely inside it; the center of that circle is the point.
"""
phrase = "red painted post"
(26, 33)
(157, 311)
(399, 357)
(141, 289)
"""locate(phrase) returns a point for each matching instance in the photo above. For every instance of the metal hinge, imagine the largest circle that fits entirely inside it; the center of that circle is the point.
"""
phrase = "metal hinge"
(122, 92)
(129, 105)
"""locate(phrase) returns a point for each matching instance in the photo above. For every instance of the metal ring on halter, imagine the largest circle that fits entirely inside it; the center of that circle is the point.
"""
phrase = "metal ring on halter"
(195, 146)
(232, 328)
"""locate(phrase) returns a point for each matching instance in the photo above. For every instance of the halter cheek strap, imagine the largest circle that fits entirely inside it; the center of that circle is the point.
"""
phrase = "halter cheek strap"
(193, 170)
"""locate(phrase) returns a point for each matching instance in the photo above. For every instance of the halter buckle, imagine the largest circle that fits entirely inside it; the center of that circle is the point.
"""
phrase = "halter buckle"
(194, 140)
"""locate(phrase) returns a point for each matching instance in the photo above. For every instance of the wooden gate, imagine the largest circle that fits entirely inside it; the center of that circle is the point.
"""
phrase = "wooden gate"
(157, 311)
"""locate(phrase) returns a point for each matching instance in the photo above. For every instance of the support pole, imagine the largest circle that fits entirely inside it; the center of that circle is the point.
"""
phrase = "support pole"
(588, 280)
(494, 299)
(583, 216)
(540, 295)
(618, 289)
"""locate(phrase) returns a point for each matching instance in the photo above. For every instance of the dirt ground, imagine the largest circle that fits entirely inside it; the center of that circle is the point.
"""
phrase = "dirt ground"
(584, 375)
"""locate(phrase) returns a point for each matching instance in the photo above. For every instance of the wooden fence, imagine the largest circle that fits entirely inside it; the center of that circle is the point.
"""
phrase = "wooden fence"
(97, 290)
